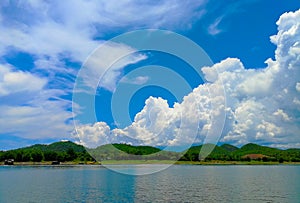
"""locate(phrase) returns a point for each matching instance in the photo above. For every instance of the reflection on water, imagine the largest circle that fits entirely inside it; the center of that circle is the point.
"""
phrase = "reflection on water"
(140, 169)
(222, 184)
(179, 183)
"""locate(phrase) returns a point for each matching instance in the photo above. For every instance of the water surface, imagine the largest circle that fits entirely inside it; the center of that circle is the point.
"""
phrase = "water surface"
(179, 183)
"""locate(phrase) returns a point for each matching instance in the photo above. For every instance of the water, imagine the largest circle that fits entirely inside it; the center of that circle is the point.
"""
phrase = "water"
(179, 183)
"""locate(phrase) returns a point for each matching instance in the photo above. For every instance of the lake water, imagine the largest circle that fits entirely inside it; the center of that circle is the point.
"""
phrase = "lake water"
(179, 183)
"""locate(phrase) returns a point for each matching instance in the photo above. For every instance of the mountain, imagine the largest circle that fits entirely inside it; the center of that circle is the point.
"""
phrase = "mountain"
(252, 148)
(60, 151)
(193, 153)
(69, 151)
(250, 151)
(137, 150)
(62, 146)
(125, 151)
(229, 147)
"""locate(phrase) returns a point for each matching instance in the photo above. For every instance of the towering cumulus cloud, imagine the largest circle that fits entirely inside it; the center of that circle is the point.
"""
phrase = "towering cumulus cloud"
(261, 105)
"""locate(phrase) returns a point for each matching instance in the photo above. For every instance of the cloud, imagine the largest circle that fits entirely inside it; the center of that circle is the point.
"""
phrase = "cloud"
(53, 27)
(139, 80)
(105, 65)
(99, 134)
(298, 86)
(263, 100)
(60, 34)
(109, 15)
(224, 11)
(87, 134)
(30, 110)
(18, 81)
(48, 120)
(54, 32)
(213, 28)
(261, 105)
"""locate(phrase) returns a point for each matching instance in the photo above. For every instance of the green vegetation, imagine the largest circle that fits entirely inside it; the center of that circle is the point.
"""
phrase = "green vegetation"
(137, 150)
(129, 152)
(229, 147)
(247, 152)
(114, 153)
(58, 151)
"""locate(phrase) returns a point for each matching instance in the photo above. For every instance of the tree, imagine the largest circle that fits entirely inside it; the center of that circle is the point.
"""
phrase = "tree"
(61, 156)
(26, 156)
(71, 154)
(37, 156)
(1, 155)
(19, 156)
(9, 155)
(246, 159)
(50, 156)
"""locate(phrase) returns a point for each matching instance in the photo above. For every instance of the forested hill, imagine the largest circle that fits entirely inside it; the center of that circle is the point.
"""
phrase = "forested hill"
(58, 151)
(247, 152)
(57, 147)
(69, 151)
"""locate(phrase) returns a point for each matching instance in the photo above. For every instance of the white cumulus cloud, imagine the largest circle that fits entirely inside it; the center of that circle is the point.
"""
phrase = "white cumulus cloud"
(261, 105)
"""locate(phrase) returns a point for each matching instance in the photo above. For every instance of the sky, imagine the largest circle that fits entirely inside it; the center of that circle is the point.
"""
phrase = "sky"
(244, 89)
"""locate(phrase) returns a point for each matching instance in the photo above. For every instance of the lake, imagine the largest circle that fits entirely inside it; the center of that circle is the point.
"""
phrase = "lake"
(179, 183)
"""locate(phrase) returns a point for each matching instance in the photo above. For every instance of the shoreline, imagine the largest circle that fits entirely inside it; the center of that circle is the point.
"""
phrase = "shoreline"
(49, 163)
(149, 162)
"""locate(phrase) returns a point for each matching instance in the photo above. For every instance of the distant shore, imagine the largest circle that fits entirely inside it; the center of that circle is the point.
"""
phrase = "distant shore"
(49, 163)
(108, 162)
(137, 162)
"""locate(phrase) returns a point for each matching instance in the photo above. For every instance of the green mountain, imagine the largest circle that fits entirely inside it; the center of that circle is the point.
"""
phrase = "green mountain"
(62, 146)
(215, 152)
(257, 149)
(60, 151)
(137, 150)
(69, 151)
(228, 152)
(129, 152)
(229, 147)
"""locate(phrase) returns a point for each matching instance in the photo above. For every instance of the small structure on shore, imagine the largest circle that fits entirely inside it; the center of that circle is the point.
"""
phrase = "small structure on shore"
(9, 162)
(55, 163)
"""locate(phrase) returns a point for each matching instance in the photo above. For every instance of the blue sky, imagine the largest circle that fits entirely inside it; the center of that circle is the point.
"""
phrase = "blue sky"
(43, 46)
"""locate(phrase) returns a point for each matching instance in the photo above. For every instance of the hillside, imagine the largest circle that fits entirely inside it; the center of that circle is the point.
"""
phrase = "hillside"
(218, 153)
(69, 151)
(129, 152)
(229, 147)
(59, 151)
(57, 147)
(247, 152)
